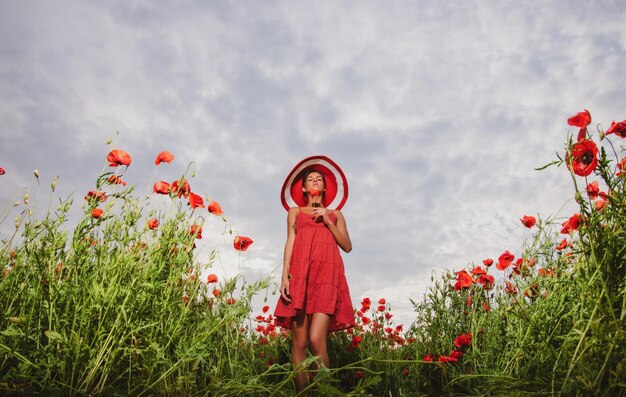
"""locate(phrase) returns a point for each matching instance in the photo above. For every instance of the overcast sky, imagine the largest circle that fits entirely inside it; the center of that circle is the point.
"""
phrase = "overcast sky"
(438, 113)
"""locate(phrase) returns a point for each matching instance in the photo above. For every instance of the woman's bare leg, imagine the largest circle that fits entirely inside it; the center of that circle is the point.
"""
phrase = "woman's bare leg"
(318, 331)
(299, 341)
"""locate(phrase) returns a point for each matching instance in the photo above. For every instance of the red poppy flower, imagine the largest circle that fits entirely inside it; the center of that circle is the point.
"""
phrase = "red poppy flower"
(584, 157)
(215, 208)
(358, 374)
(504, 260)
(621, 166)
(265, 309)
(2, 172)
(593, 190)
(185, 299)
(488, 262)
(195, 200)
(196, 231)
(463, 340)
(93, 195)
(562, 245)
(366, 320)
(464, 280)
(117, 157)
(574, 221)
(600, 204)
(456, 354)
(447, 359)
(528, 221)
(381, 308)
(388, 316)
(366, 301)
(241, 243)
(161, 187)
(164, 157)
(545, 272)
(97, 213)
(382, 301)
(487, 281)
(486, 306)
(580, 119)
(181, 188)
(356, 341)
(617, 128)
(428, 358)
(217, 293)
(478, 271)
(510, 288)
(153, 224)
(116, 180)
(212, 278)
(230, 301)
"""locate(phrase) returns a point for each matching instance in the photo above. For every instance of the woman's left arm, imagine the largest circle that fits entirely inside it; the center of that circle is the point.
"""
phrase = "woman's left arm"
(339, 230)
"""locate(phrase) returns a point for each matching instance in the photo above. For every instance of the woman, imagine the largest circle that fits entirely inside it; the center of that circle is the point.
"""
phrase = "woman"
(314, 293)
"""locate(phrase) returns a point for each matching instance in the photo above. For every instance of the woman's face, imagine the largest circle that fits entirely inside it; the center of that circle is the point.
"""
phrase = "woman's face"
(314, 181)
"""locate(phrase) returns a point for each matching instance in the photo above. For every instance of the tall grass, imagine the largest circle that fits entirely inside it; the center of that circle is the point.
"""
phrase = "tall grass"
(116, 306)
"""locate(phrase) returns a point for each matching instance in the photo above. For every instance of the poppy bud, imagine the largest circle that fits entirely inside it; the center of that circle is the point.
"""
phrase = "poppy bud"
(36, 173)
(26, 198)
(53, 185)
(579, 198)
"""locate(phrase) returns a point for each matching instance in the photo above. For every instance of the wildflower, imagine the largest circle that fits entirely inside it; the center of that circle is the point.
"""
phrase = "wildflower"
(117, 157)
(164, 157)
(230, 301)
(464, 280)
(241, 243)
(358, 374)
(456, 354)
(621, 166)
(528, 221)
(181, 188)
(196, 231)
(600, 204)
(463, 340)
(487, 281)
(93, 195)
(545, 272)
(161, 187)
(447, 359)
(195, 200)
(580, 120)
(584, 157)
(510, 288)
(381, 308)
(356, 341)
(2, 172)
(382, 301)
(388, 316)
(406, 372)
(617, 128)
(428, 358)
(365, 320)
(185, 299)
(504, 260)
(265, 309)
(478, 271)
(488, 262)
(562, 245)
(116, 180)
(153, 224)
(593, 190)
(486, 306)
(97, 213)
(217, 293)
(211, 278)
(215, 208)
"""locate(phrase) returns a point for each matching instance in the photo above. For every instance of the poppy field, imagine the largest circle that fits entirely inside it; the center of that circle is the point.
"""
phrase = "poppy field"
(118, 304)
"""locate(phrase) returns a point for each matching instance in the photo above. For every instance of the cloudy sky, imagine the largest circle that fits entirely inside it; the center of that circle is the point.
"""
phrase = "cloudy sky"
(438, 113)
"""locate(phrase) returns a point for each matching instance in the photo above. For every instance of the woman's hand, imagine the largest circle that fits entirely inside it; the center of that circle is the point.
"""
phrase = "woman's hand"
(284, 288)
(322, 215)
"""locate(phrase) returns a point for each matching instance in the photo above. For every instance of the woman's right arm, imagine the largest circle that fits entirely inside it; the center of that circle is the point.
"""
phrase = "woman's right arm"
(291, 236)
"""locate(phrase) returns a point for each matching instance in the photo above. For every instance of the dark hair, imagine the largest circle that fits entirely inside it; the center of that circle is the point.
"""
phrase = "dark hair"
(306, 174)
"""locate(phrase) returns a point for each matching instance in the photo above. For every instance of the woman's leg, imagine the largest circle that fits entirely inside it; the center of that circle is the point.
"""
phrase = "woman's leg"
(299, 341)
(320, 322)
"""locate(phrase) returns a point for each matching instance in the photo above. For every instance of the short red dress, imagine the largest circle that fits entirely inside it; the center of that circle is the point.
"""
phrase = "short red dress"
(318, 281)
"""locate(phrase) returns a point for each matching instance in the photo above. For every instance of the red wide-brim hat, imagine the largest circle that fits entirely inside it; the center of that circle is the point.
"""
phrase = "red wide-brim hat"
(336, 192)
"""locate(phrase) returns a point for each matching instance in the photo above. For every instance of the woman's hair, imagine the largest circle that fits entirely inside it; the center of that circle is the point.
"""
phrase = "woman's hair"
(306, 174)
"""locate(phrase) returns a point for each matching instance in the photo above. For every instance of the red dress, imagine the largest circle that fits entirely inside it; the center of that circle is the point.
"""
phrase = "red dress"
(318, 281)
